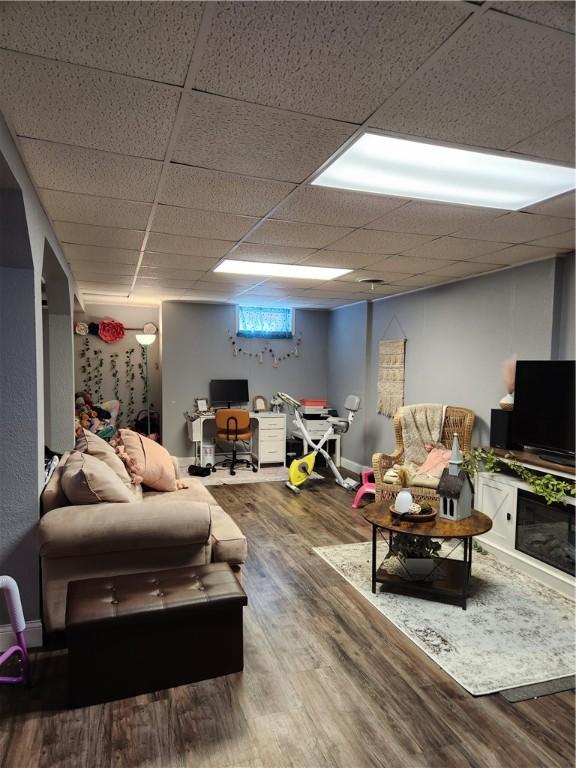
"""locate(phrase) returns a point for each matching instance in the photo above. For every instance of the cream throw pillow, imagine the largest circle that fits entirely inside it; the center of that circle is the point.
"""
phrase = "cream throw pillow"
(88, 442)
(87, 480)
(147, 461)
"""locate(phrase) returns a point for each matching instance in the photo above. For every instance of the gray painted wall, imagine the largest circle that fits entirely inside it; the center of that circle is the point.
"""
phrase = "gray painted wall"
(563, 331)
(23, 465)
(196, 348)
(347, 343)
(19, 444)
(457, 337)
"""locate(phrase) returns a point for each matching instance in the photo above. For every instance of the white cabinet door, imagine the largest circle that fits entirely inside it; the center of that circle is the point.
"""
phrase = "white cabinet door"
(498, 501)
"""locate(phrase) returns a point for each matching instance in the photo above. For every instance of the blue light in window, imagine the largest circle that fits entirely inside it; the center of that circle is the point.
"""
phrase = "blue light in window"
(265, 322)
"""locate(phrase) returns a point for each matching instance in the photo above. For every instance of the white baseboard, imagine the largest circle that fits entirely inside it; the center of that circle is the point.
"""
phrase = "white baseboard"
(32, 633)
(352, 466)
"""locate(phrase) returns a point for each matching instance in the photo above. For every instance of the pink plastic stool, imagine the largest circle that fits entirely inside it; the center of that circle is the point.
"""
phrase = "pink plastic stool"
(368, 486)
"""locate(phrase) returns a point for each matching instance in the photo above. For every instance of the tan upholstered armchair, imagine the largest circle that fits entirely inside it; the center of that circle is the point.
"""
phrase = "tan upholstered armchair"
(459, 420)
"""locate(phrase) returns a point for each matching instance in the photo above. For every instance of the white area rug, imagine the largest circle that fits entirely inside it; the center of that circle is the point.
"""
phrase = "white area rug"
(243, 475)
(514, 632)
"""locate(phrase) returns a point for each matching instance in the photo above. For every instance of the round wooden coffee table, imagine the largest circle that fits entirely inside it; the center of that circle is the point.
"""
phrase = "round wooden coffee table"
(449, 578)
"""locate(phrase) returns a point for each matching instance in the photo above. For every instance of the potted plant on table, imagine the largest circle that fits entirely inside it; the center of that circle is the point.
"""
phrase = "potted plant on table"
(416, 553)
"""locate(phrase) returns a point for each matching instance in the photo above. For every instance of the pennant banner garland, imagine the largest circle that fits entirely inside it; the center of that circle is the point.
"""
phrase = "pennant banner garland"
(244, 348)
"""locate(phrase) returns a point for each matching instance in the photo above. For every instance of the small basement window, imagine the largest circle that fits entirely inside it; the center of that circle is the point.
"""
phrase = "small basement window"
(265, 322)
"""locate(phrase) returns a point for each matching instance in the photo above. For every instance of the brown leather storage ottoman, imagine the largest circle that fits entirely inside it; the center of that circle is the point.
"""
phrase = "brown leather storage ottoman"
(142, 632)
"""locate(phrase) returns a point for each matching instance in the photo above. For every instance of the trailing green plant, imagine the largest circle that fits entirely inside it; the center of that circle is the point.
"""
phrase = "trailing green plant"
(406, 546)
(552, 489)
(142, 367)
(130, 376)
(115, 375)
(86, 367)
(478, 548)
(97, 378)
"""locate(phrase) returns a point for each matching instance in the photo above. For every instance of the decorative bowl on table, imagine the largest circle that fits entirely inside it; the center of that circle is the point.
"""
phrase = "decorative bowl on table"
(416, 513)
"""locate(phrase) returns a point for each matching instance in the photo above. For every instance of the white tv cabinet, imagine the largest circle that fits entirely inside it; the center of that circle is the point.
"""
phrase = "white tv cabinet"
(497, 496)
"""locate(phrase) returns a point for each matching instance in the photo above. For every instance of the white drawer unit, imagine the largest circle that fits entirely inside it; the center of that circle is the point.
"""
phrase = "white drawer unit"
(269, 443)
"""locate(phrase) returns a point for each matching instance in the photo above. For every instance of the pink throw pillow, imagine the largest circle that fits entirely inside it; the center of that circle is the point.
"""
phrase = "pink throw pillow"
(436, 461)
(147, 461)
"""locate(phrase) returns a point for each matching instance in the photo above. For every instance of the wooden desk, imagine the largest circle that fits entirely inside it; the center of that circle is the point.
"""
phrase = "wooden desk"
(268, 444)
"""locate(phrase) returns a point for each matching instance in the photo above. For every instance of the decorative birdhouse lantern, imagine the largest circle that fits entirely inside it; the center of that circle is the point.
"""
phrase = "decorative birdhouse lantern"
(454, 488)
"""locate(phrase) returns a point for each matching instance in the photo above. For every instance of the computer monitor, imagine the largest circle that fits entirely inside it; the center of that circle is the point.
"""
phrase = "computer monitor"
(229, 392)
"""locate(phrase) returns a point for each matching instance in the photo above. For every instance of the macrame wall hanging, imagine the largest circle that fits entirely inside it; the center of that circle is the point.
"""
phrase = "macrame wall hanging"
(391, 362)
(252, 349)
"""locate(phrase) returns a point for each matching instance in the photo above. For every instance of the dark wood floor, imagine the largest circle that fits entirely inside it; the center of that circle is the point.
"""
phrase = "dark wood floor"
(328, 680)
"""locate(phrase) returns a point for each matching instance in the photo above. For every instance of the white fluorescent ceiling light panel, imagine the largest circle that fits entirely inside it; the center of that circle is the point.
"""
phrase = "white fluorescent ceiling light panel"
(413, 169)
(263, 269)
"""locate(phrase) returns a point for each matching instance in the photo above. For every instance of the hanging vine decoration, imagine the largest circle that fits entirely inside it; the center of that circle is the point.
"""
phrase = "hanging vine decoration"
(98, 376)
(142, 371)
(130, 376)
(115, 375)
(86, 367)
(267, 349)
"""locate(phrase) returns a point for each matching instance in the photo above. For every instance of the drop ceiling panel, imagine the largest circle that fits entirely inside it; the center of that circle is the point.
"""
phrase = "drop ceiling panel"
(287, 284)
(278, 254)
(196, 295)
(556, 142)
(165, 282)
(419, 281)
(178, 261)
(226, 280)
(105, 269)
(369, 274)
(424, 218)
(86, 234)
(519, 253)
(88, 171)
(188, 221)
(559, 15)
(89, 209)
(192, 246)
(218, 288)
(161, 272)
(502, 66)
(342, 259)
(89, 253)
(377, 241)
(563, 206)
(225, 192)
(86, 107)
(149, 40)
(113, 280)
(408, 264)
(100, 288)
(563, 241)
(518, 228)
(273, 232)
(322, 58)
(465, 269)
(230, 135)
(346, 286)
(455, 249)
(320, 205)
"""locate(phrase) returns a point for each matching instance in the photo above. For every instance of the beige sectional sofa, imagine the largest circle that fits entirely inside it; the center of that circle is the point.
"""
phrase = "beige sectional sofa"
(156, 531)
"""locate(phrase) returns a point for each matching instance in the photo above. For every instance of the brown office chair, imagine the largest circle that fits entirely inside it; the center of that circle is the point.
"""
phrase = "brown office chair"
(233, 425)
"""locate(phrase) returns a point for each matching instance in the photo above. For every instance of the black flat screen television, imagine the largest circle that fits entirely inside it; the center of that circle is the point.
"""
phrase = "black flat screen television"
(543, 415)
(229, 391)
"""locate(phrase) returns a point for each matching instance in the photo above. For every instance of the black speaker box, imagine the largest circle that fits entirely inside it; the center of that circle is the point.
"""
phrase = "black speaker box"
(501, 429)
